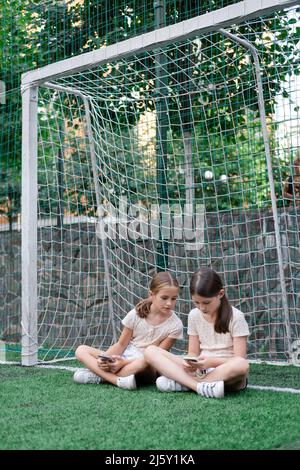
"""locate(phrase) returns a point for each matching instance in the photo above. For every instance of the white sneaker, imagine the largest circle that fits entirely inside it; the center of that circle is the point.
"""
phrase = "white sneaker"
(164, 384)
(128, 382)
(202, 372)
(211, 389)
(85, 376)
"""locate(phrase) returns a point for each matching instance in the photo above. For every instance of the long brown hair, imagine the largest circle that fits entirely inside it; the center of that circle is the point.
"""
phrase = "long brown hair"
(207, 283)
(159, 281)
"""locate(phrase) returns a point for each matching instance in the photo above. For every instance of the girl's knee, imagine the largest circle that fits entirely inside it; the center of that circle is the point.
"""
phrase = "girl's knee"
(241, 365)
(149, 351)
(80, 351)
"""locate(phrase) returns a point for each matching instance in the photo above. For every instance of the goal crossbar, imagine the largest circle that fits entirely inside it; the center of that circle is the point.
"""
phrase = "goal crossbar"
(212, 21)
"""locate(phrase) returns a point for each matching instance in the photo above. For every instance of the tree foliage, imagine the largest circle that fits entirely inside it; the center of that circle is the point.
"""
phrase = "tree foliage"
(40, 33)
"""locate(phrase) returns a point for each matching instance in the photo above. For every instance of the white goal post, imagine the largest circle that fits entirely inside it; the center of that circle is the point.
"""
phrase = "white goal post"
(72, 90)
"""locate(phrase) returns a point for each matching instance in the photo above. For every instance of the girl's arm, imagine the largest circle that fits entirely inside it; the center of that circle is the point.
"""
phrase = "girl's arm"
(167, 343)
(193, 350)
(240, 346)
(119, 347)
(239, 350)
(116, 350)
(194, 346)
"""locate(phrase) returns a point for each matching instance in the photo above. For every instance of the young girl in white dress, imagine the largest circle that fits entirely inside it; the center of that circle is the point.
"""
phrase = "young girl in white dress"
(151, 322)
(218, 333)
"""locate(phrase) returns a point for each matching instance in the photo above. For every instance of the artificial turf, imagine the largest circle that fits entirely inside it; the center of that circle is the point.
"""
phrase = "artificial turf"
(45, 409)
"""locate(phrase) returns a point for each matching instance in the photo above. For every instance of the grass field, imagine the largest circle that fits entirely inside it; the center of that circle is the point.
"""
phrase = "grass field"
(45, 409)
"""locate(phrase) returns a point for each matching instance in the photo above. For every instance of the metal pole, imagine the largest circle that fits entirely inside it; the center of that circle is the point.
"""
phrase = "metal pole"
(161, 137)
(29, 226)
(262, 111)
(185, 88)
(97, 191)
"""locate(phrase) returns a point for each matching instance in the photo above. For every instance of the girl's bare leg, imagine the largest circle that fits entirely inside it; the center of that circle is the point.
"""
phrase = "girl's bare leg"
(177, 359)
(137, 366)
(170, 365)
(144, 373)
(234, 373)
(88, 356)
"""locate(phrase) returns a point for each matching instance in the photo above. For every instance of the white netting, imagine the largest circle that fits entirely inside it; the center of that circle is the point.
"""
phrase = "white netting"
(179, 181)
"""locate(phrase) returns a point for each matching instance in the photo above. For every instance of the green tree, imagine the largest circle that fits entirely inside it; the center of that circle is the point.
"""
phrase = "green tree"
(41, 33)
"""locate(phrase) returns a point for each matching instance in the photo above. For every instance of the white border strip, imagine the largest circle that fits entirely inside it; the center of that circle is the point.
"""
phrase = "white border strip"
(10, 363)
(273, 363)
(46, 366)
(212, 21)
(253, 387)
(274, 389)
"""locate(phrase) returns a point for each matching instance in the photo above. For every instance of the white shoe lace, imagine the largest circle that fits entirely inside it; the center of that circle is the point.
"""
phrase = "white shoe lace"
(86, 376)
(208, 390)
(165, 384)
(93, 378)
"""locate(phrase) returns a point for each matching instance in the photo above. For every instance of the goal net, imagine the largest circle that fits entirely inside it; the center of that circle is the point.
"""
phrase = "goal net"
(157, 160)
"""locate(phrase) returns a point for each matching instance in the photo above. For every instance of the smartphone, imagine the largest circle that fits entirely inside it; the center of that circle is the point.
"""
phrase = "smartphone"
(106, 358)
(190, 358)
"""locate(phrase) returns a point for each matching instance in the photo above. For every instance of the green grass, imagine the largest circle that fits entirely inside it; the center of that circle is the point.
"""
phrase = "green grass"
(44, 409)
(275, 376)
(12, 352)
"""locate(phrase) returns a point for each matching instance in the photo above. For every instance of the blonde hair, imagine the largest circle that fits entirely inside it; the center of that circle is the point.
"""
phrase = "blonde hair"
(159, 281)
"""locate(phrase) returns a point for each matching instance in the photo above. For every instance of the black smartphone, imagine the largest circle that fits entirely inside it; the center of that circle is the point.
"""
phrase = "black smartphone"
(106, 358)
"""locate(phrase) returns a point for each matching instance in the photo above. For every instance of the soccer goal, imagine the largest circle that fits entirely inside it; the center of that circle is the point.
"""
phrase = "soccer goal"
(159, 153)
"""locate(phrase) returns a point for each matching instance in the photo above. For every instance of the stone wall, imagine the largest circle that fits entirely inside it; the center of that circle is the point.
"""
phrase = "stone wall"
(73, 295)
(10, 285)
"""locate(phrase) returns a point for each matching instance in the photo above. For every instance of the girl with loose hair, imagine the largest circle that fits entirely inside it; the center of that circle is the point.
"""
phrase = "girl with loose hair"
(151, 322)
(216, 361)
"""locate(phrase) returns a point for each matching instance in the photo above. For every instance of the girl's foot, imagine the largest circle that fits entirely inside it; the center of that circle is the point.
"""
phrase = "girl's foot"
(85, 376)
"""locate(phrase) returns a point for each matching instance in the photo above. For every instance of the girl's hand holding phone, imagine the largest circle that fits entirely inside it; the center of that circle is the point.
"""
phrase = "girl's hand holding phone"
(110, 363)
(191, 363)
